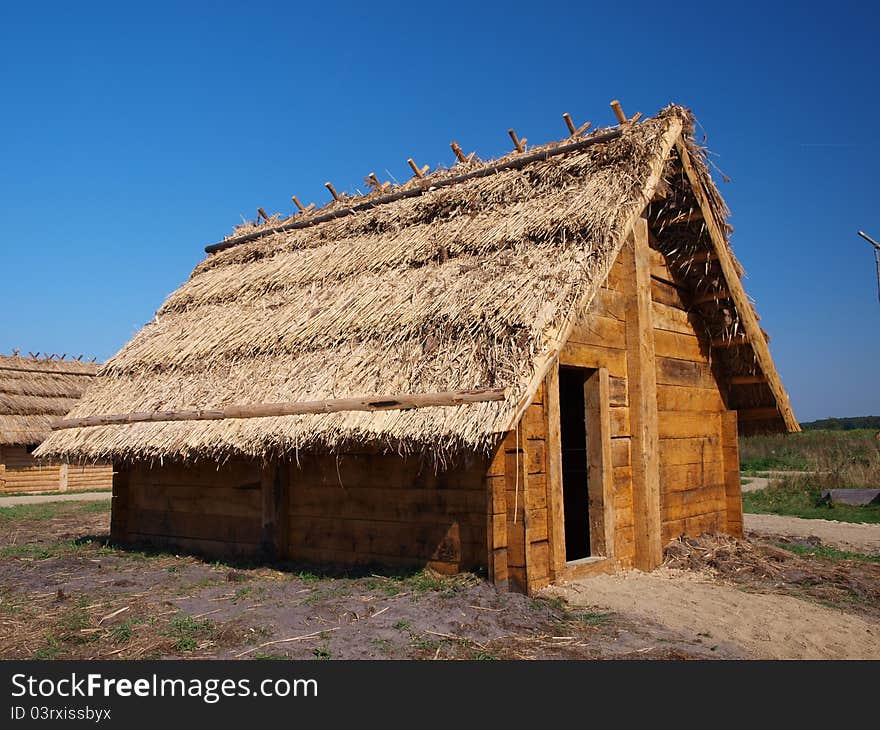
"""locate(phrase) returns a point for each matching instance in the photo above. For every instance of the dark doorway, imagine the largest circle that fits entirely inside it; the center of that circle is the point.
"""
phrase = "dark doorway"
(575, 467)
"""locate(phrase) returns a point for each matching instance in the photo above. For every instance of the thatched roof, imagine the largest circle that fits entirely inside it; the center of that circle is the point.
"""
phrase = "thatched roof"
(34, 392)
(462, 286)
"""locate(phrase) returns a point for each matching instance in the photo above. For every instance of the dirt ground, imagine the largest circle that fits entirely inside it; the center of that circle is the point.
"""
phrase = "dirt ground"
(66, 593)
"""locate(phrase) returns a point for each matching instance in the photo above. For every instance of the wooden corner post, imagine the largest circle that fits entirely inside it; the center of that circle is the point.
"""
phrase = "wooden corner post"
(642, 381)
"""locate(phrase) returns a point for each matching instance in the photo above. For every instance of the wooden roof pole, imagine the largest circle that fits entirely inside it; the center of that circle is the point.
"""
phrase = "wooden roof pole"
(737, 293)
(264, 410)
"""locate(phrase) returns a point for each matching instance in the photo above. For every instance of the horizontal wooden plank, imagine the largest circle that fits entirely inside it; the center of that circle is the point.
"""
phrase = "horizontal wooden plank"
(575, 354)
(671, 371)
(685, 398)
(688, 424)
(680, 346)
(666, 293)
(180, 524)
(689, 450)
(595, 329)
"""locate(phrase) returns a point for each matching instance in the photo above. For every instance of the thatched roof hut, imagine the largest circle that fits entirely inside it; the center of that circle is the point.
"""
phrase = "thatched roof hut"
(35, 392)
(469, 278)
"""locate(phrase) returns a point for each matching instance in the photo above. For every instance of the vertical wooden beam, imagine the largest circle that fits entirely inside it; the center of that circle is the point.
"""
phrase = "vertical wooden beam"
(496, 518)
(120, 505)
(600, 479)
(642, 381)
(555, 504)
(274, 485)
(732, 482)
(62, 476)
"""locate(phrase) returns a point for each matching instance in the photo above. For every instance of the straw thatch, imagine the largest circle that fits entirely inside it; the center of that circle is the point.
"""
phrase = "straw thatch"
(34, 392)
(457, 288)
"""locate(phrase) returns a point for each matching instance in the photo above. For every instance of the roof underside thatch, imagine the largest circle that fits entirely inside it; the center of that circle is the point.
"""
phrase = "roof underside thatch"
(456, 288)
(35, 392)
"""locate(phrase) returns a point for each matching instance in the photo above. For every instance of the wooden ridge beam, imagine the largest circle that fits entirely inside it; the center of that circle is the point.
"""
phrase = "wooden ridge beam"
(47, 372)
(333, 405)
(516, 163)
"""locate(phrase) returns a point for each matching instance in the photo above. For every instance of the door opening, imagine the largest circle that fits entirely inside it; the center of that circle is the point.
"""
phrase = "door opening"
(575, 464)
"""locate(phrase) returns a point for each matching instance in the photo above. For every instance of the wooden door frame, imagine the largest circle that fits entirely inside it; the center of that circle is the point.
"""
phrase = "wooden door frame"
(600, 482)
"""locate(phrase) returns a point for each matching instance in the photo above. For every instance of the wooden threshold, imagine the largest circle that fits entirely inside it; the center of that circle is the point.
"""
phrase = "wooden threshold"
(586, 567)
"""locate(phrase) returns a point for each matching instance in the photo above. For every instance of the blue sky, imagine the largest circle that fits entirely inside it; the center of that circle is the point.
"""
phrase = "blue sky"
(131, 136)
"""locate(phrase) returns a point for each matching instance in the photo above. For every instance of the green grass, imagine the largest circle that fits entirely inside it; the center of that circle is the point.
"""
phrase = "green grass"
(828, 553)
(50, 510)
(187, 631)
(800, 497)
(840, 458)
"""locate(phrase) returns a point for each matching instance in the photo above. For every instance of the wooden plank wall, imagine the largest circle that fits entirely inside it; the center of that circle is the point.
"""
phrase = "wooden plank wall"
(204, 508)
(691, 411)
(20, 472)
(387, 509)
(519, 524)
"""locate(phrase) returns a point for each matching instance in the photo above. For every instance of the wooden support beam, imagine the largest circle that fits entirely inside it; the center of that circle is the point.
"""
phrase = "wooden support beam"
(332, 190)
(520, 144)
(569, 123)
(333, 405)
(642, 383)
(618, 112)
(748, 380)
(758, 414)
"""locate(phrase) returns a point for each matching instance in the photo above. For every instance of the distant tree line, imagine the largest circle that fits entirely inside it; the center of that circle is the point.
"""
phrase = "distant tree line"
(842, 424)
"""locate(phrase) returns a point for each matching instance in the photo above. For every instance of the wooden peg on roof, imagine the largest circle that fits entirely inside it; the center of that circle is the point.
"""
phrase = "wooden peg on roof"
(15, 352)
(618, 112)
(373, 182)
(460, 155)
(34, 356)
(417, 171)
(78, 358)
(520, 144)
(329, 186)
(262, 214)
(302, 208)
(575, 131)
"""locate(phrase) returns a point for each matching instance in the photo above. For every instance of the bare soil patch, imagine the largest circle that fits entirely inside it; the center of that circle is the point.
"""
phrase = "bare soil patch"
(65, 592)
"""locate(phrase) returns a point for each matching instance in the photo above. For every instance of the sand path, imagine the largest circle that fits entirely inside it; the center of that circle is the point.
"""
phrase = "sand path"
(700, 608)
